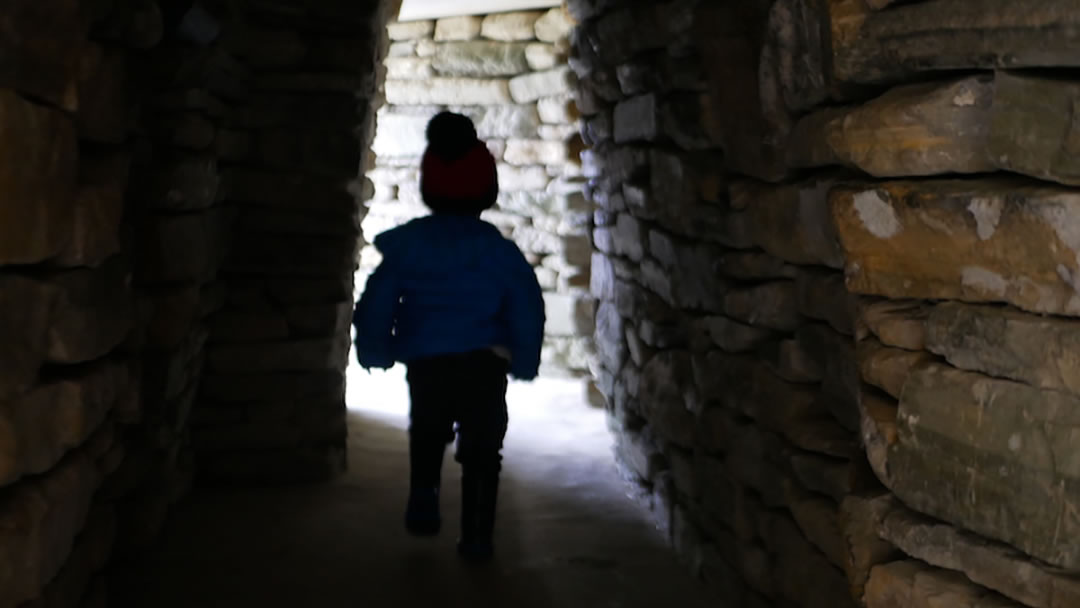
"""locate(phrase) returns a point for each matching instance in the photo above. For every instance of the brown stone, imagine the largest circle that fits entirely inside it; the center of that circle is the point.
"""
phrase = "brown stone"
(920, 129)
(27, 309)
(832, 477)
(755, 266)
(797, 31)
(770, 305)
(878, 430)
(860, 520)
(106, 102)
(911, 584)
(186, 247)
(1041, 351)
(823, 436)
(888, 368)
(962, 240)
(840, 377)
(788, 360)
(39, 427)
(992, 565)
(803, 574)
(900, 324)
(746, 385)
(819, 520)
(790, 221)
(98, 211)
(1033, 130)
(40, 520)
(296, 356)
(1016, 439)
(95, 312)
(824, 296)
(747, 112)
(38, 170)
(940, 35)
(735, 337)
(40, 43)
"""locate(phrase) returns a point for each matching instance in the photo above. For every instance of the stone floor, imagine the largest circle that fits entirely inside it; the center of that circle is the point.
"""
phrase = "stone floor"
(568, 535)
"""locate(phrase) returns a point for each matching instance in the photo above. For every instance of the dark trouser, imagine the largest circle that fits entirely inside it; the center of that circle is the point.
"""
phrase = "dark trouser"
(468, 390)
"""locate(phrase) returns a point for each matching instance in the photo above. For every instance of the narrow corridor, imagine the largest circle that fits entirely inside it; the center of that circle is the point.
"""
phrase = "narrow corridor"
(568, 535)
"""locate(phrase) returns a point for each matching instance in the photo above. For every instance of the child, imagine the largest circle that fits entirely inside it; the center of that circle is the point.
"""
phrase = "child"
(460, 306)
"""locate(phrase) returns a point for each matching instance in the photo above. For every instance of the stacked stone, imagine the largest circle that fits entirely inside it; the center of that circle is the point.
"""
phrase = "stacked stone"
(724, 330)
(509, 73)
(272, 402)
(69, 385)
(903, 442)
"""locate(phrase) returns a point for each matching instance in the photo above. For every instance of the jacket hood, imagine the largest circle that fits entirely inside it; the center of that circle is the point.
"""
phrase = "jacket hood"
(440, 243)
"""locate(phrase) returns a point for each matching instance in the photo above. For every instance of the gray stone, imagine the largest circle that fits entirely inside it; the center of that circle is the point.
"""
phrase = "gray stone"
(664, 399)
(636, 119)
(448, 91)
(554, 26)
(410, 30)
(295, 356)
(402, 49)
(888, 368)
(840, 386)
(409, 68)
(536, 152)
(791, 222)
(480, 58)
(735, 337)
(790, 361)
(510, 26)
(400, 135)
(610, 340)
(458, 28)
(629, 237)
(824, 296)
(568, 315)
(531, 87)
(755, 266)
(503, 121)
(911, 584)
(994, 566)
(557, 110)
(901, 324)
(772, 305)
(1041, 351)
(1019, 438)
(542, 56)
(516, 179)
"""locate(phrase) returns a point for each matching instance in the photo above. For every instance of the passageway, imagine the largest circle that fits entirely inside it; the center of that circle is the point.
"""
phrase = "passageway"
(568, 533)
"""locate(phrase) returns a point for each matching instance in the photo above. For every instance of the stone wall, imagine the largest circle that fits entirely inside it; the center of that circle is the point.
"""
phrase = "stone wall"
(167, 173)
(509, 73)
(836, 250)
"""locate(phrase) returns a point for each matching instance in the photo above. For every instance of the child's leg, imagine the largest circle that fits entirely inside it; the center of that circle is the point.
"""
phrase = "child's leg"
(430, 429)
(482, 426)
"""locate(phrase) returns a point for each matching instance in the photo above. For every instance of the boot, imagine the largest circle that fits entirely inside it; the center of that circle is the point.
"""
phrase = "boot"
(479, 493)
(422, 516)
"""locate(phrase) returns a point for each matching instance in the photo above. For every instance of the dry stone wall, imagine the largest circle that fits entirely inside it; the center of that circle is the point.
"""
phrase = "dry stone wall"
(509, 73)
(835, 260)
(154, 179)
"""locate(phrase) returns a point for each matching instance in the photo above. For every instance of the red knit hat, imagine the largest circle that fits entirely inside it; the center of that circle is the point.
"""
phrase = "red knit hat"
(470, 177)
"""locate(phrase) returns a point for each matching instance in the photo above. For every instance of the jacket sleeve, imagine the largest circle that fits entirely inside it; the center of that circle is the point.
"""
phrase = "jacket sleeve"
(374, 318)
(525, 316)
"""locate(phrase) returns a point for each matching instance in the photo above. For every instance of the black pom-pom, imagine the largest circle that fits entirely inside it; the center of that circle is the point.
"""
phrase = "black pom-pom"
(450, 135)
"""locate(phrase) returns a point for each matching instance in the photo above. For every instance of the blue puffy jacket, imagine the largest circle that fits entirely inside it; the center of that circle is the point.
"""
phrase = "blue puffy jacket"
(449, 284)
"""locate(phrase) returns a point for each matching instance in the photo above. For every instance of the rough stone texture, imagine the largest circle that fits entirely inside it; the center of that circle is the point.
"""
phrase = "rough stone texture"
(922, 129)
(38, 165)
(1020, 439)
(458, 28)
(1039, 351)
(480, 58)
(960, 240)
(447, 91)
(910, 584)
(510, 26)
(992, 565)
(516, 89)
